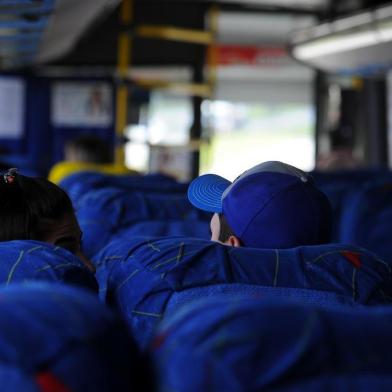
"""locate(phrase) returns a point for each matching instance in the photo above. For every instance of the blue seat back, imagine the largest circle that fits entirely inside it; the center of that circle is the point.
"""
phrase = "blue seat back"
(168, 228)
(78, 184)
(142, 277)
(58, 338)
(340, 186)
(367, 219)
(232, 290)
(245, 344)
(105, 213)
(26, 261)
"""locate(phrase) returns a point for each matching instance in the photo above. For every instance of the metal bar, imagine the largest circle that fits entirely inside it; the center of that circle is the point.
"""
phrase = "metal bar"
(212, 56)
(175, 34)
(36, 25)
(12, 47)
(197, 126)
(122, 94)
(242, 7)
(264, 9)
(20, 37)
(192, 89)
(320, 96)
(26, 7)
(376, 109)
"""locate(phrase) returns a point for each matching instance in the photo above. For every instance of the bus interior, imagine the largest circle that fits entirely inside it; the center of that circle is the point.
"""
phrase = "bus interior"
(159, 93)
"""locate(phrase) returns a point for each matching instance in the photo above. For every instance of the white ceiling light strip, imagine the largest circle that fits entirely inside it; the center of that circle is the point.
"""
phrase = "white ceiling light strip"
(337, 41)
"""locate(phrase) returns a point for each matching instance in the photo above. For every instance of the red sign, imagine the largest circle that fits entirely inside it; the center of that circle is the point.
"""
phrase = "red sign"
(250, 55)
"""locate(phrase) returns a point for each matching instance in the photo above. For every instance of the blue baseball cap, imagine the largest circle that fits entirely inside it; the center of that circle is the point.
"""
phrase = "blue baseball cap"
(272, 205)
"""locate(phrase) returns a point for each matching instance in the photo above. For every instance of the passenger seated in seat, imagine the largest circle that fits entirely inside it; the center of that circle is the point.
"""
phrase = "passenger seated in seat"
(87, 153)
(88, 149)
(36, 209)
(272, 205)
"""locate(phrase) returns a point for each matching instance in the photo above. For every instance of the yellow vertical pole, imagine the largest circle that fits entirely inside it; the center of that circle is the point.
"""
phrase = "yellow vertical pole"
(357, 83)
(212, 55)
(123, 64)
(206, 148)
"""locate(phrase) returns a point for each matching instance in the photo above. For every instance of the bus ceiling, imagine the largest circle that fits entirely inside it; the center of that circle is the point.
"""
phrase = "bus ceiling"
(78, 33)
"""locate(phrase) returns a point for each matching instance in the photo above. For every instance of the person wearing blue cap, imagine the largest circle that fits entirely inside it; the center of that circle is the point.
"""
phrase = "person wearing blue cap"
(272, 205)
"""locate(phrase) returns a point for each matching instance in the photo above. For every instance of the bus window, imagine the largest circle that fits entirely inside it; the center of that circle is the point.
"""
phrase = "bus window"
(165, 122)
(246, 133)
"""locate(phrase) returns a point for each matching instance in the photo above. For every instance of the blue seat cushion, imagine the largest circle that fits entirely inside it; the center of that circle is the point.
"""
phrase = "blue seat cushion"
(104, 213)
(26, 261)
(168, 228)
(245, 344)
(341, 186)
(78, 184)
(367, 219)
(142, 277)
(64, 338)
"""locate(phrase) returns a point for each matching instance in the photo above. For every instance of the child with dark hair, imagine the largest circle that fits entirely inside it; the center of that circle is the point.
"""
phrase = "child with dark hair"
(87, 153)
(89, 149)
(36, 209)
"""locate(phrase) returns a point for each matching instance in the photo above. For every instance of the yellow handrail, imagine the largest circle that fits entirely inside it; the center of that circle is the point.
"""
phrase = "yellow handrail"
(175, 33)
(123, 63)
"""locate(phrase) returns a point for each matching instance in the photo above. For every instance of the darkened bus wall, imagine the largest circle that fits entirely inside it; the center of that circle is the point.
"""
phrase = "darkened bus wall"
(42, 143)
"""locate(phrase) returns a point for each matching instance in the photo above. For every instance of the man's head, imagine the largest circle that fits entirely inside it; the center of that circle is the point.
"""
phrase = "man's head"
(88, 149)
(272, 205)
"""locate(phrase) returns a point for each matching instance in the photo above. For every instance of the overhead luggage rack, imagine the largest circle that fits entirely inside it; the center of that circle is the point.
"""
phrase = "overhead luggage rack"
(26, 6)
(22, 23)
(358, 44)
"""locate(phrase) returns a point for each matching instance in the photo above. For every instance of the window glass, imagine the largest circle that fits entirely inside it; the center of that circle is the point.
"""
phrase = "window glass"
(165, 121)
(244, 134)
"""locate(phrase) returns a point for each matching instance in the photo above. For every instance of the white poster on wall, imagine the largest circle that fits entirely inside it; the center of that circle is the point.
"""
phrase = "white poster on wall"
(82, 104)
(12, 108)
(175, 161)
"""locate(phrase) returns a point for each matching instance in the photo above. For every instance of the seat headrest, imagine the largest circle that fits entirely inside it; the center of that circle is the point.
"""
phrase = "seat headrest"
(247, 344)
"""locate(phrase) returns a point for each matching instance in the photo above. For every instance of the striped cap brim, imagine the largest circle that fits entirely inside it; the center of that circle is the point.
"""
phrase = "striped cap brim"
(205, 192)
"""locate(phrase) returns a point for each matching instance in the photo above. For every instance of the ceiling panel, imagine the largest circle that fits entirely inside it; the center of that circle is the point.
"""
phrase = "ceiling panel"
(300, 4)
(237, 28)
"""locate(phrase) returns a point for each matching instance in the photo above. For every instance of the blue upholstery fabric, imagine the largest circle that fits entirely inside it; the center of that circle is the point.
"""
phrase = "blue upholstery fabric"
(337, 194)
(358, 176)
(356, 382)
(169, 228)
(26, 261)
(340, 186)
(104, 213)
(65, 334)
(78, 184)
(143, 277)
(246, 344)
(367, 219)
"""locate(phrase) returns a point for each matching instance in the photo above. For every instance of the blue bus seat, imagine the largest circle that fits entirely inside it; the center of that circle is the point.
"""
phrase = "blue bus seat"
(104, 213)
(58, 338)
(26, 261)
(143, 277)
(245, 344)
(367, 219)
(168, 228)
(78, 184)
(340, 186)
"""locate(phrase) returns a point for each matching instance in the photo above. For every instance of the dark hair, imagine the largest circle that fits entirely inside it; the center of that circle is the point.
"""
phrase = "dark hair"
(90, 149)
(28, 206)
(342, 137)
(225, 230)
(4, 166)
